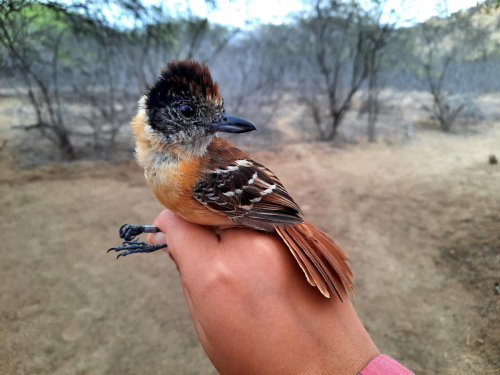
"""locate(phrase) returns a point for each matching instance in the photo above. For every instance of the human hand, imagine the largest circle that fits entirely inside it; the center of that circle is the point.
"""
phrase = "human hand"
(253, 309)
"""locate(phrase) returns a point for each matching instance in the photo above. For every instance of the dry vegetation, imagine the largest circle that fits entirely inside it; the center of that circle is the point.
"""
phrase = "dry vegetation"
(419, 220)
(413, 115)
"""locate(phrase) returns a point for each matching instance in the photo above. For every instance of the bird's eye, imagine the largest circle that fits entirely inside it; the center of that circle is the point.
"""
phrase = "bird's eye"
(187, 110)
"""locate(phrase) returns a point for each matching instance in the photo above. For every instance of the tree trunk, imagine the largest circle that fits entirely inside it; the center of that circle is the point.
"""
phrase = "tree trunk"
(337, 119)
(373, 112)
(373, 103)
(445, 127)
(371, 128)
(65, 146)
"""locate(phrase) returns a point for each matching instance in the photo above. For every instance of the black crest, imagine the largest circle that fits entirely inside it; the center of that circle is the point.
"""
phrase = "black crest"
(182, 78)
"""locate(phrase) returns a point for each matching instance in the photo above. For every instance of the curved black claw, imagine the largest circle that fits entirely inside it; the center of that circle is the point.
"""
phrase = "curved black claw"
(126, 244)
(130, 231)
(135, 247)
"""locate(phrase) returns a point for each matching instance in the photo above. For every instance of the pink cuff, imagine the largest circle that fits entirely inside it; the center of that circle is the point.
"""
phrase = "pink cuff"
(384, 365)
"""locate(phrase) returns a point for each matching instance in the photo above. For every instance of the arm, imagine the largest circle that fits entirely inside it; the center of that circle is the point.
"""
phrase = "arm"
(252, 309)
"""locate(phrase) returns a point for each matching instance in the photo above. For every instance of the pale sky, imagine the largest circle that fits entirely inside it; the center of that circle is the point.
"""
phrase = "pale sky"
(238, 12)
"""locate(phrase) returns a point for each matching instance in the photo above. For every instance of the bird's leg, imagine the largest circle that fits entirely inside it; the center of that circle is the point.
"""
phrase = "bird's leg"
(129, 232)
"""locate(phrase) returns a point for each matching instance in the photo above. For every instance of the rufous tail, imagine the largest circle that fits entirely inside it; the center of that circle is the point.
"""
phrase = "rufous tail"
(323, 262)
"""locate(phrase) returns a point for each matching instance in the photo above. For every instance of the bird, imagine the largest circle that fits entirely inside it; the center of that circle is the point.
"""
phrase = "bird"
(203, 178)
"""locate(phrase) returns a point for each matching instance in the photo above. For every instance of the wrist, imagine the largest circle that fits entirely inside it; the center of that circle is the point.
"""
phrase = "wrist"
(350, 347)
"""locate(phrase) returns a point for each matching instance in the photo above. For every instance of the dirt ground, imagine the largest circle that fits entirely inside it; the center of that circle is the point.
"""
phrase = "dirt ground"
(419, 219)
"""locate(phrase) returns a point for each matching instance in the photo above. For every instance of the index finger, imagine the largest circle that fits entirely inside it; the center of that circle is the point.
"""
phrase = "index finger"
(191, 245)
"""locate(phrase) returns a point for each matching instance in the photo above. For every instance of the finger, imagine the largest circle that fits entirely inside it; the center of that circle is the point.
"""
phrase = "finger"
(189, 244)
(157, 239)
(197, 325)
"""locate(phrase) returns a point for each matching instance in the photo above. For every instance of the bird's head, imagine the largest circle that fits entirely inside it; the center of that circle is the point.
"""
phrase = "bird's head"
(184, 105)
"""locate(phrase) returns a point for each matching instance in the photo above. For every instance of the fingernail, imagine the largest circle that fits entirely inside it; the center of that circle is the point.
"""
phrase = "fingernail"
(159, 239)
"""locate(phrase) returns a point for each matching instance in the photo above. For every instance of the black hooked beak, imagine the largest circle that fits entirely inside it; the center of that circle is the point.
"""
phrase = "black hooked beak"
(232, 124)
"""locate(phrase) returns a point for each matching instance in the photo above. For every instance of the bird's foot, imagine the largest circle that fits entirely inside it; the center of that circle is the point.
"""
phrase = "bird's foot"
(134, 247)
(130, 231)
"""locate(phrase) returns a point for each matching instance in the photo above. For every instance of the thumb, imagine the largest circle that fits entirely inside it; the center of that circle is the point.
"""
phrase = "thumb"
(158, 239)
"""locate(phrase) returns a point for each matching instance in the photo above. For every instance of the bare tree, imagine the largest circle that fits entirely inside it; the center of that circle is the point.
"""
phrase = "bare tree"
(83, 73)
(254, 79)
(435, 73)
(338, 63)
(440, 50)
(378, 37)
(36, 64)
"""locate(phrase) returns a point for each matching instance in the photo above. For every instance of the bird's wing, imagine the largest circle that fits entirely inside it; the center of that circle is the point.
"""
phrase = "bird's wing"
(251, 195)
(248, 193)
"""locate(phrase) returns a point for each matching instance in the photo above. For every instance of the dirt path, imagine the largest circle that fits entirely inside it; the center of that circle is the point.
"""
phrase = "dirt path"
(420, 222)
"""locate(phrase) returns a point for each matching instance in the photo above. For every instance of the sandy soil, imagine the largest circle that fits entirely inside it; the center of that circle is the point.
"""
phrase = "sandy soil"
(420, 221)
